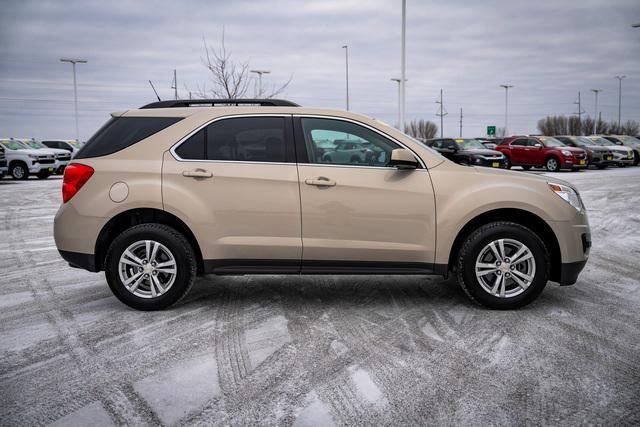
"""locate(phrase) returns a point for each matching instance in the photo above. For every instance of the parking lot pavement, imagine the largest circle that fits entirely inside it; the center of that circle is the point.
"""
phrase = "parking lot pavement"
(319, 350)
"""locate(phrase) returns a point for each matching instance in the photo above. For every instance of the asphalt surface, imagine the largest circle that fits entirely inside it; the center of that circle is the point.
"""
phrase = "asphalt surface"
(321, 350)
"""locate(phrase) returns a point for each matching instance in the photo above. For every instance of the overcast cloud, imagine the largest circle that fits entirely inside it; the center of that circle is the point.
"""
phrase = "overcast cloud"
(549, 50)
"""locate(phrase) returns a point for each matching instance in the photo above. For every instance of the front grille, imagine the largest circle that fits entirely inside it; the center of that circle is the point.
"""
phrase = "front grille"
(3, 163)
(580, 156)
(46, 161)
(64, 157)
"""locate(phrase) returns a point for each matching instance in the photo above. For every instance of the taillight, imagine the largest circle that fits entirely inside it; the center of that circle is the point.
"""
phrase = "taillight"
(75, 176)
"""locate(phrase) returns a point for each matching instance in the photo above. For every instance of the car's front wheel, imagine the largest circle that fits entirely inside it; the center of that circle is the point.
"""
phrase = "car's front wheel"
(552, 164)
(150, 266)
(19, 171)
(503, 265)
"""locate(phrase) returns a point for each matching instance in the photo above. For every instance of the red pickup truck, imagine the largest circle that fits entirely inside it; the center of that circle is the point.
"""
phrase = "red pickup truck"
(541, 151)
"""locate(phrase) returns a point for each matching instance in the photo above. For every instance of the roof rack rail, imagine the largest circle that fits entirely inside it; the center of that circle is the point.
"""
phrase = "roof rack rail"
(214, 102)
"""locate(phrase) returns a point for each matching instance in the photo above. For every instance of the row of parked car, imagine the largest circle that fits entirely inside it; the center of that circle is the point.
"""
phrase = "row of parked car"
(550, 152)
(21, 157)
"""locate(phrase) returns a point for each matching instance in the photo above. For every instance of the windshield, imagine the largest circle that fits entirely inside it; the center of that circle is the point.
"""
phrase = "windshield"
(14, 145)
(630, 139)
(582, 141)
(551, 142)
(601, 141)
(76, 144)
(34, 144)
(469, 144)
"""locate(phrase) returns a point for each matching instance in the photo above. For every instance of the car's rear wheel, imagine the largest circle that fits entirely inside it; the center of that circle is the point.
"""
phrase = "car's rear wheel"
(503, 265)
(19, 171)
(507, 162)
(552, 164)
(150, 266)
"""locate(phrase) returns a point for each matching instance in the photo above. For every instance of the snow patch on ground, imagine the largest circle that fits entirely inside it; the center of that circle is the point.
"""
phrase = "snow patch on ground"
(176, 392)
(316, 413)
(365, 386)
(92, 415)
(266, 339)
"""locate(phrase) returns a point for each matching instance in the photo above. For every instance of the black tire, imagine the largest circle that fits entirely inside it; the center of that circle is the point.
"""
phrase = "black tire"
(43, 174)
(507, 162)
(186, 265)
(552, 164)
(19, 171)
(478, 240)
(622, 165)
(636, 158)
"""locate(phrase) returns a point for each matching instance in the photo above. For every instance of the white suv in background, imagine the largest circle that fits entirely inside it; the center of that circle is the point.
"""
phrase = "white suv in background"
(24, 161)
(70, 145)
(63, 157)
(4, 169)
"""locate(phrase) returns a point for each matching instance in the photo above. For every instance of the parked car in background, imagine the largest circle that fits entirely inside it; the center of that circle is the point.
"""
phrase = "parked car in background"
(4, 169)
(351, 152)
(599, 156)
(165, 192)
(467, 152)
(541, 151)
(63, 157)
(490, 143)
(70, 145)
(622, 155)
(24, 161)
(627, 141)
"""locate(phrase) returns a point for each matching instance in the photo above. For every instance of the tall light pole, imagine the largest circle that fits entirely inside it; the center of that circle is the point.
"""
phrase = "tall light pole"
(595, 120)
(506, 108)
(398, 81)
(403, 77)
(73, 63)
(260, 73)
(619, 97)
(346, 62)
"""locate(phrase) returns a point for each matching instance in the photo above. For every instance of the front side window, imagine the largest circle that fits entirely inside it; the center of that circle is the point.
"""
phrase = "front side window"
(519, 142)
(331, 141)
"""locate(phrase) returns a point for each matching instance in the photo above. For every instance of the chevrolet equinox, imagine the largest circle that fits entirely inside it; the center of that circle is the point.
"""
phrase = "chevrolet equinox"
(179, 188)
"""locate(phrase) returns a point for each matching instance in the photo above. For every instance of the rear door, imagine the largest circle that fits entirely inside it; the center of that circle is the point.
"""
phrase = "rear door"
(235, 183)
(361, 216)
(536, 151)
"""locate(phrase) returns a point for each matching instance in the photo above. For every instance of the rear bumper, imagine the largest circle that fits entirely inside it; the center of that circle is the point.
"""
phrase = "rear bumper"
(80, 260)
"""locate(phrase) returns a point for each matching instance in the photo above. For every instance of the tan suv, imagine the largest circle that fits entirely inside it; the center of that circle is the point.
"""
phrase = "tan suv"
(176, 188)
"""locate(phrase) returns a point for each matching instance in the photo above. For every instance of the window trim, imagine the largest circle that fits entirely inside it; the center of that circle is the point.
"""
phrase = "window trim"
(301, 144)
(287, 135)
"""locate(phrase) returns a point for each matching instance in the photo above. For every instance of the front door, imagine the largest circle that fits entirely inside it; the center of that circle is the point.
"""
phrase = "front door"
(357, 212)
(235, 183)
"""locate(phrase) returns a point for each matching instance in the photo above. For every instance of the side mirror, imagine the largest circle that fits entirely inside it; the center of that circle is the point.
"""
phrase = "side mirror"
(403, 159)
(537, 145)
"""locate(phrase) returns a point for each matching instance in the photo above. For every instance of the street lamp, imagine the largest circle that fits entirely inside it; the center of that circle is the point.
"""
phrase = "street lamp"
(260, 73)
(399, 100)
(73, 63)
(346, 59)
(620, 97)
(595, 121)
(403, 77)
(506, 108)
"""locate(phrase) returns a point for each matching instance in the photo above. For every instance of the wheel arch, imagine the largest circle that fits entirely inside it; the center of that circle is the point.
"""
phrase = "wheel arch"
(137, 216)
(518, 216)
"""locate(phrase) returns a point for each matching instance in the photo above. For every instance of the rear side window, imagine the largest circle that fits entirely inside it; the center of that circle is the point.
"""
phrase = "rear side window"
(248, 139)
(122, 132)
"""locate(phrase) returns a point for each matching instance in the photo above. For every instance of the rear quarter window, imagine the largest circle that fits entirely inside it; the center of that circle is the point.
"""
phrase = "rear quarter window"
(122, 132)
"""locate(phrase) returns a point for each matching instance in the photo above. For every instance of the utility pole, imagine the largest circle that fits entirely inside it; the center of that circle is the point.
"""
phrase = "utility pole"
(174, 86)
(73, 62)
(346, 61)
(441, 114)
(579, 113)
(595, 116)
(403, 77)
(260, 73)
(460, 122)
(619, 97)
(506, 108)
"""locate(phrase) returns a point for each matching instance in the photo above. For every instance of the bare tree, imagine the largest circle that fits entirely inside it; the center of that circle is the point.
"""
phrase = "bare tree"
(631, 127)
(230, 79)
(421, 129)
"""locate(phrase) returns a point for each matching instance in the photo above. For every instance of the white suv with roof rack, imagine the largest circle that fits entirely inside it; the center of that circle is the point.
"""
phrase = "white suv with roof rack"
(24, 161)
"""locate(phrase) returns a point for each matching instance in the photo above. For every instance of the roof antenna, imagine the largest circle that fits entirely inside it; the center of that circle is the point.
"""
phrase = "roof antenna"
(155, 91)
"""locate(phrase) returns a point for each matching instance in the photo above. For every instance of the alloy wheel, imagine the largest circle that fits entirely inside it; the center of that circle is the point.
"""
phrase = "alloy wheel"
(505, 268)
(147, 269)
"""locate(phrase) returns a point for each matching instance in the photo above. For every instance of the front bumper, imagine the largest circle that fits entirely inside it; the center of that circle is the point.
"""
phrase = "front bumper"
(572, 163)
(39, 167)
(489, 163)
(574, 241)
(605, 159)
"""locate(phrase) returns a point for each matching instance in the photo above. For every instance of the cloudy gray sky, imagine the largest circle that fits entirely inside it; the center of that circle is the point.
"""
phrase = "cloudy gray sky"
(548, 49)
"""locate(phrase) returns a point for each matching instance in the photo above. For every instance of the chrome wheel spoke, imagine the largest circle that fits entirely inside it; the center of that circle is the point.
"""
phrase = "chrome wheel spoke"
(130, 262)
(522, 275)
(505, 268)
(496, 284)
(140, 272)
(133, 257)
(154, 252)
(135, 285)
(520, 282)
(132, 278)
(495, 251)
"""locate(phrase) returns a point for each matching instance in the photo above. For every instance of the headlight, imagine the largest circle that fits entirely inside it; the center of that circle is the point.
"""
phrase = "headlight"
(566, 152)
(33, 156)
(567, 194)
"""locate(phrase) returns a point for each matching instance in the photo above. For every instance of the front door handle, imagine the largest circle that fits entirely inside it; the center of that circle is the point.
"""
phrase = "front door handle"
(198, 173)
(321, 182)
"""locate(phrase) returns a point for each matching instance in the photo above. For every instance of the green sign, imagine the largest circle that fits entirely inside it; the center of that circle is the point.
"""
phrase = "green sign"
(491, 130)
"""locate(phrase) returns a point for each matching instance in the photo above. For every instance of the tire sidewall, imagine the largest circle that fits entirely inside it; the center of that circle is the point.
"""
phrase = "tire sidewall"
(185, 266)
(25, 173)
(478, 240)
(546, 164)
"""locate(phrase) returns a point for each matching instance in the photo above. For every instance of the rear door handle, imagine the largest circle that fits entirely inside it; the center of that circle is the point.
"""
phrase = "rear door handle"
(198, 173)
(321, 182)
